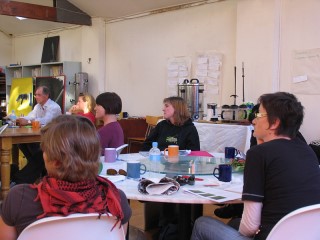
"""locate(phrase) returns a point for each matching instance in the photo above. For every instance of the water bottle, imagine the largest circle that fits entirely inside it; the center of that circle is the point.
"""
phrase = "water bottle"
(154, 153)
(154, 156)
(13, 118)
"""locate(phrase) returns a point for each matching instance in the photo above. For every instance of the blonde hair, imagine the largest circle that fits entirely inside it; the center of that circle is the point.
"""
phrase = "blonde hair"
(181, 112)
(91, 102)
(73, 142)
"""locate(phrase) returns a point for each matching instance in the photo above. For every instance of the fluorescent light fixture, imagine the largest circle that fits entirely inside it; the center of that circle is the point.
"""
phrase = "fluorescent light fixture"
(21, 18)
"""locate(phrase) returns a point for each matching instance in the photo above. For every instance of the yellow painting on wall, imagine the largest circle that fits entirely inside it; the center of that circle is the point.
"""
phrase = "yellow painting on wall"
(21, 96)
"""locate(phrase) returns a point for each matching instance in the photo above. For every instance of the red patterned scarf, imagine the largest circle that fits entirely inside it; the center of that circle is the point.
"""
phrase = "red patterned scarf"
(59, 197)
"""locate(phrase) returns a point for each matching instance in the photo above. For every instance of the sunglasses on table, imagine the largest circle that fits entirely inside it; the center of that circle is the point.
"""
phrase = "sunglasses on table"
(183, 180)
(113, 172)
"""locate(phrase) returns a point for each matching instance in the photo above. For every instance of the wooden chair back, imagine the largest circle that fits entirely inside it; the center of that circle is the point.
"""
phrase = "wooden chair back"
(152, 122)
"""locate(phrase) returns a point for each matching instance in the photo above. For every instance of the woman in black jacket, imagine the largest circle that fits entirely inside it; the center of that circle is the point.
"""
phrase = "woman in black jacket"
(176, 129)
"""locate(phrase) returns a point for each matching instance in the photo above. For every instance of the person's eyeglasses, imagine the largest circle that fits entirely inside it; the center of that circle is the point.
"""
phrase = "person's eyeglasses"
(183, 180)
(260, 115)
(112, 171)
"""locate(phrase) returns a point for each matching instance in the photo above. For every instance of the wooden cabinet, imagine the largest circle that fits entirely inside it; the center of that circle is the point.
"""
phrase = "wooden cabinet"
(66, 68)
(3, 101)
(133, 127)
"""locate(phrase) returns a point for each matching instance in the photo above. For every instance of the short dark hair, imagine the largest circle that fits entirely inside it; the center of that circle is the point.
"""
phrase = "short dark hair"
(110, 101)
(45, 90)
(254, 110)
(285, 107)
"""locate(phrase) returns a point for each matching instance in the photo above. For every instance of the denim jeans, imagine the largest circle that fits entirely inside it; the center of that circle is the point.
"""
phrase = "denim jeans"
(208, 228)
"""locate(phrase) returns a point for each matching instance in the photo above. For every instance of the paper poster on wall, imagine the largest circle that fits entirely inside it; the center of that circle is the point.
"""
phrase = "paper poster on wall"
(21, 96)
(178, 69)
(305, 72)
(208, 71)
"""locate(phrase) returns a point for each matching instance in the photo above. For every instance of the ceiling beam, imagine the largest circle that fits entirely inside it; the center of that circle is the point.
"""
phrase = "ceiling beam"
(63, 11)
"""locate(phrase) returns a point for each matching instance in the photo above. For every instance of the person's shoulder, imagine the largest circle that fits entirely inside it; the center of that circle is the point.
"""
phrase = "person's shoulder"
(163, 123)
(52, 103)
(21, 190)
(188, 123)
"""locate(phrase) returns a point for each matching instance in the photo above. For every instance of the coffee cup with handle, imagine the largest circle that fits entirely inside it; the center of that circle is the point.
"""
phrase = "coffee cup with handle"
(135, 169)
(110, 155)
(223, 172)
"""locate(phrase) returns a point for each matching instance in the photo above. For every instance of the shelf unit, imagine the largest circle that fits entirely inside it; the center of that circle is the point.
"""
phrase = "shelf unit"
(66, 68)
(3, 94)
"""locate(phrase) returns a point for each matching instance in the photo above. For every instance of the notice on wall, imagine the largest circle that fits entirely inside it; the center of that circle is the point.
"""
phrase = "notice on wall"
(208, 69)
(178, 69)
(305, 72)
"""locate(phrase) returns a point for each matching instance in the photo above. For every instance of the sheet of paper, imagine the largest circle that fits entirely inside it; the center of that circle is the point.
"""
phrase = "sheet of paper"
(214, 194)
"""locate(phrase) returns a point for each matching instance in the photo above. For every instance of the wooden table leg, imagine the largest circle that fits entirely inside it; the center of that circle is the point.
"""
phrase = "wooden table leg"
(6, 147)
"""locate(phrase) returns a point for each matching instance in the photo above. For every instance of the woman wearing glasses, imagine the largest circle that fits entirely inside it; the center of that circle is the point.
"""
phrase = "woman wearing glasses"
(71, 152)
(281, 174)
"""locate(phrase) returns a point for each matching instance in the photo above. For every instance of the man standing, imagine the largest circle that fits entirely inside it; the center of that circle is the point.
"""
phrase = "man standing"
(44, 111)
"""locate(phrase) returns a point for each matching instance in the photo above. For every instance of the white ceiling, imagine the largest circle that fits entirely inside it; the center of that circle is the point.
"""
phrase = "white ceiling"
(107, 9)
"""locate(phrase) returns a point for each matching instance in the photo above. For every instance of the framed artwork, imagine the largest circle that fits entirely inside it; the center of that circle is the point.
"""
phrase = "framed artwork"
(50, 49)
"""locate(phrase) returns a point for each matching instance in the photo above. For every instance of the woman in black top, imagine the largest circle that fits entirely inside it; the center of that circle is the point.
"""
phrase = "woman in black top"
(176, 129)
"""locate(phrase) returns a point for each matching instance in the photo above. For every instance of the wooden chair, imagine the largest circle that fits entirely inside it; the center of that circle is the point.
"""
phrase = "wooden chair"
(76, 226)
(152, 122)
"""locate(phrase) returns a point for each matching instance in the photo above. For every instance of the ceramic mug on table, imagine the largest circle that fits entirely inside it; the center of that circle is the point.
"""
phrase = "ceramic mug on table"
(171, 151)
(229, 152)
(224, 172)
(135, 169)
(110, 155)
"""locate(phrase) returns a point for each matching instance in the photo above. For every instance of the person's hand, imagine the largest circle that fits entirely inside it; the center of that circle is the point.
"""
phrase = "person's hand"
(22, 121)
(74, 109)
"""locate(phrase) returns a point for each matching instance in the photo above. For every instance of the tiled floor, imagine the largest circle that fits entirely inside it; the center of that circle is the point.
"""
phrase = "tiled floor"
(137, 220)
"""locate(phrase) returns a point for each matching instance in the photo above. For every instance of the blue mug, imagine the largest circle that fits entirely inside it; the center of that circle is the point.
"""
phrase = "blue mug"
(229, 152)
(223, 172)
(135, 169)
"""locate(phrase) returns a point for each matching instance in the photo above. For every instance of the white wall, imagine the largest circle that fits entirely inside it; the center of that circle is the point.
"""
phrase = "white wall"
(137, 51)
(5, 49)
(255, 47)
(267, 34)
(300, 31)
(130, 57)
(28, 49)
(94, 47)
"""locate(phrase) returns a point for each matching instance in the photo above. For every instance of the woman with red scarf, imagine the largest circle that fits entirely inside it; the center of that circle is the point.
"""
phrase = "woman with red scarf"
(71, 152)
